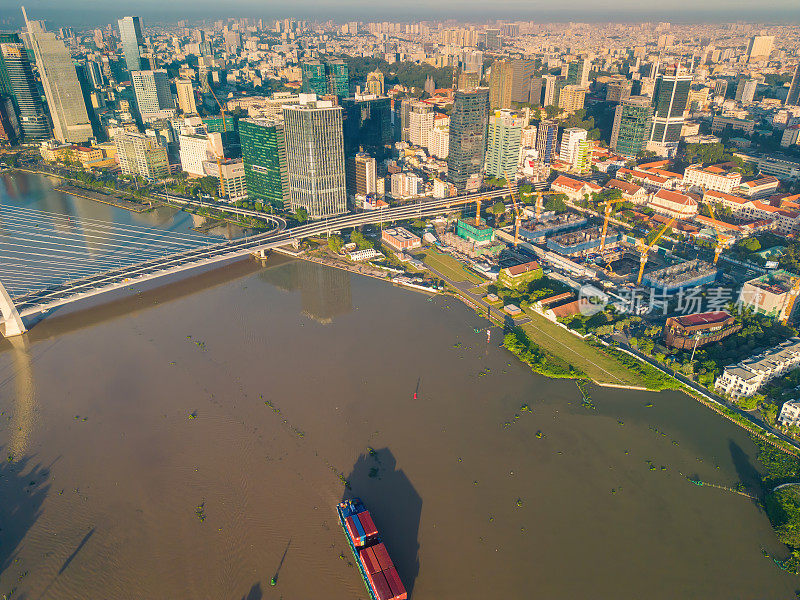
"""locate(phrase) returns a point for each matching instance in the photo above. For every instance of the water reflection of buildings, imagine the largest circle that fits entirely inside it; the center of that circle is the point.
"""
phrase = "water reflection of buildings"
(325, 292)
(24, 405)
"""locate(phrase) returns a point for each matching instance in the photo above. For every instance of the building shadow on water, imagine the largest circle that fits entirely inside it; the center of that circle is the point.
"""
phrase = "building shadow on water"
(23, 488)
(255, 593)
(745, 470)
(395, 506)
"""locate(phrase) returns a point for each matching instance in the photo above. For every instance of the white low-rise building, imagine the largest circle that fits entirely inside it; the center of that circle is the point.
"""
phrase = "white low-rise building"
(714, 177)
(790, 413)
(748, 376)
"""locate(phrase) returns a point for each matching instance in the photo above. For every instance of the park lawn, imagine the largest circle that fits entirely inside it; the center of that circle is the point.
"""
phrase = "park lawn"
(449, 267)
(601, 367)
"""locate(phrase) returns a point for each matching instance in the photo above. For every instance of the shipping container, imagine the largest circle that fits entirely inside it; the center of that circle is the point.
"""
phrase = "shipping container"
(397, 587)
(382, 589)
(371, 564)
(368, 524)
(361, 534)
(383, 556)
(351, 529)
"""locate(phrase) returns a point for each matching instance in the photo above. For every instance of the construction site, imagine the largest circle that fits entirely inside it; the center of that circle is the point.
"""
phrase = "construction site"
(582, 241)
(682, 275)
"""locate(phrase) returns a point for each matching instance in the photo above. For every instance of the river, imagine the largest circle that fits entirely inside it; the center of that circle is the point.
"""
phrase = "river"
(187, 441)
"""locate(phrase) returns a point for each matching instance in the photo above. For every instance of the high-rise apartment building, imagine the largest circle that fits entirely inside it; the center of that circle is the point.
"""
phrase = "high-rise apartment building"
(617, 91)
(140, 154)
(60, 82)
(571, 98)
(503, 143)
(501, 84)
(546, 138)
(420, 123)
(759, 48)
(315, 157)
(439, 142)
(375, 83)
(362, 175)
(331, 77)
(629, 134)
(367, 125)
(793, 97)
(264, 157)
(746, 90)
(130, 33)
(570, 138)
(185, 93)
(721, 87)
(468, 80)
(535, 91)
(468, 124)
(153, 95)
(493, 42)
(578, 72)
(670, 97)
(551, 85)
(18, 84)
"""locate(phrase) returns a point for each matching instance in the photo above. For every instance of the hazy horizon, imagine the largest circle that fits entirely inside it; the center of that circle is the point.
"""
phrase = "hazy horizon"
(97, 12)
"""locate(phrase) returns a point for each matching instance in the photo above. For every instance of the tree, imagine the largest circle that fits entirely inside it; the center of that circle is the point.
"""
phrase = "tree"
(335, 243)
(359, 240)
(551, 111)
(209, 185)
(498, 208)
(302, 215)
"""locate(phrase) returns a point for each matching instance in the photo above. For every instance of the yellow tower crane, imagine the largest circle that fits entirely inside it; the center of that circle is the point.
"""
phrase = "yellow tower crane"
(792, 297)
(517, 216)
(606, 217)
(644, 249)
(219, 159)
(722, 239)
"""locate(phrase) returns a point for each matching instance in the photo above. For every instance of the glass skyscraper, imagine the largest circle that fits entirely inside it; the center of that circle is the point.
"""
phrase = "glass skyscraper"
(264, 155)
(670, 96)
(130, 33)
(17, 83)
(368, 125)
(468, 123)
(329, 78)
(631, 126)
(315, 157)
(502, 153)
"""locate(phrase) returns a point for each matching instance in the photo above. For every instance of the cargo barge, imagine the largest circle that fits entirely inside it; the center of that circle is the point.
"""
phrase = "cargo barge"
(374, 564)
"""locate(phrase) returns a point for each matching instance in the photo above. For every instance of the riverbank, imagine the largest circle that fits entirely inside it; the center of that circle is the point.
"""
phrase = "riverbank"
(115, 200)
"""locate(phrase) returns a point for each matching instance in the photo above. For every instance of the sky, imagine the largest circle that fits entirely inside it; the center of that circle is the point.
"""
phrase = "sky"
(99, 12)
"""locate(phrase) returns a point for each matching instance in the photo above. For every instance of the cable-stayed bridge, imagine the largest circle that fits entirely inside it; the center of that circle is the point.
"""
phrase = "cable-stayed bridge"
(48, 260)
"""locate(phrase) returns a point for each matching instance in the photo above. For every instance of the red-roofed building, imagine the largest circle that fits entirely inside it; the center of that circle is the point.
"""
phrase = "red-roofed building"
(517, 275)
(630, 191)
(760, 188)
(574, 189)
(650, 180)
(673, 204)
(690, 331)
(715, 177)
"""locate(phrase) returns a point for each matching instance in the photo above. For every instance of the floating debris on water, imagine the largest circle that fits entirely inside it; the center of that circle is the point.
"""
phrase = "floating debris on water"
(650, 405)
(539, 434)
(520, 502)
(200, 511)
(193, 414)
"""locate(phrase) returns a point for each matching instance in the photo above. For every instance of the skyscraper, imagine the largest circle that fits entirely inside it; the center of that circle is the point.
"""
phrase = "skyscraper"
(578, 72)
(467, 147)
(153, 94)
(374, 84)
(793, 97)
(321, 79)
(551, 89)
(570, 139)
(17, 83)
(759, 48)
(521, 84)
(631, 126)
(420, 123)
(264, 155)
(746, 90)
(315, 157)
(130, 33)
(61, 86)
(9, 125)
(185, 96)
(546, 138)
(140, 154)
(361, 175)
(501, 84)
(367, 124)
(670, 96)
(502, 148)
(493, 42)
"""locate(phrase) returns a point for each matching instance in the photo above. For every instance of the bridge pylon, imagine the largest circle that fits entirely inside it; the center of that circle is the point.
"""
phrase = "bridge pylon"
(12, 322)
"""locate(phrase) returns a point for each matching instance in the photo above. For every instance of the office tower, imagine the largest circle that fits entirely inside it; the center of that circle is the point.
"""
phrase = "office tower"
(523, 69)
(551, 88)
(92, 74)
(670, 96)
(467, 146)
(571, 98)
(61, 86)
(759, 48)
(405, 111)
(328, 78)
(232, 41)
(420, 123)
(232, 181)
(264, 156)
(631, 126)
(18, 84)
(468, 80)
(582, 158)
(362, 175)
(185, 93)
(367, 125)
(493, 43)
(472, 61)
(9, 126)
(720, 87)
(535, 91)
(197, 148)
(746, 90)
(153, 95)
(375, 83)
(315, 157)
(546, 138)
(617, 91)
(569, 143)
(130, 33)
(140, 154)
(500, 84)
(793, 97)
(578, 72)
(503, 143)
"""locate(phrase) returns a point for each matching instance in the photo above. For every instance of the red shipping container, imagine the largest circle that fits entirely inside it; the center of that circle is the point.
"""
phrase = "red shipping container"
(351, 530)
(368, 524)
(383, 556)
(369, 561)
(382, 589)
(397, 587)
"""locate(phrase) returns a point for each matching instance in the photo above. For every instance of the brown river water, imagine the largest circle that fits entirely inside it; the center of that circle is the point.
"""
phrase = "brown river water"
(249, 390)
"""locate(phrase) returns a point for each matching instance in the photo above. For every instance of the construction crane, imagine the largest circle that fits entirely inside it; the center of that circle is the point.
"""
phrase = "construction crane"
(792, 297)
(722, 239)
(517, 216)
(644, 249)
(214, 150)
(606, 217)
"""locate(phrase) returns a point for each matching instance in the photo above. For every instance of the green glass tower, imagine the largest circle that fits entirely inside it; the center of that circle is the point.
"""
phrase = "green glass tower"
(632, 122)
(314, 79)
(332, 77)
(264, 157)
